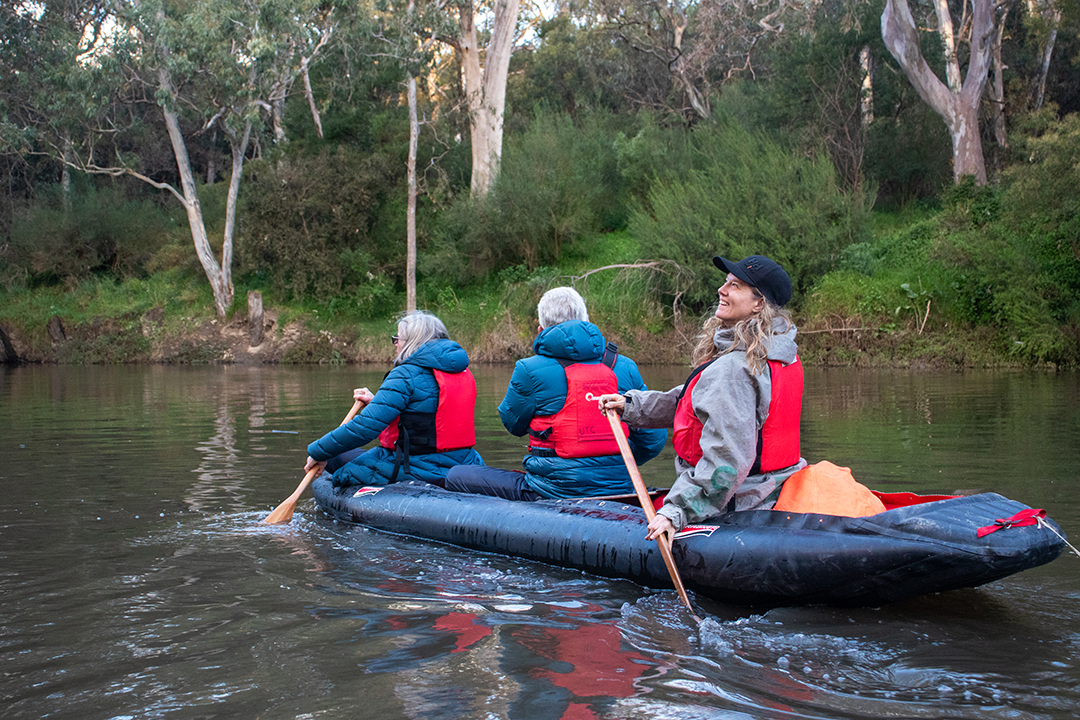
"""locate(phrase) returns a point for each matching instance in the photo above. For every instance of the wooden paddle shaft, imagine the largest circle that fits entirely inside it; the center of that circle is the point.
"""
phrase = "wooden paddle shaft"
(647, 506)
(356, 407)
(283, 512)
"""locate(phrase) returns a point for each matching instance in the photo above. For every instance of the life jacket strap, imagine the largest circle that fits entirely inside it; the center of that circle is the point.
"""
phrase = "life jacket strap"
(401, 453)
(543, 435)
(611, 355)
(542, 451)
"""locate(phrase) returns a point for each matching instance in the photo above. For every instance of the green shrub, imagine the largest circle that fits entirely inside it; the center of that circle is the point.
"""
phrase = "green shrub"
(996, 282)
(558, 183)
(967, 266)
(849, 298)
(654, 153)
(1042, 207)
(103, 233)
(863, 258)
(310, 226)
(744, 194)
(969, 205)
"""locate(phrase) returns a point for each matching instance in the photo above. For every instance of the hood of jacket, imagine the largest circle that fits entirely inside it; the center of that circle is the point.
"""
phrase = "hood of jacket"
(781, 343)
(575, 340)
(445, 355)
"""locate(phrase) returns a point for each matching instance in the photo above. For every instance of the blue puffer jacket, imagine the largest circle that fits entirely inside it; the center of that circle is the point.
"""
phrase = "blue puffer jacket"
(410, 387)
(538, 387)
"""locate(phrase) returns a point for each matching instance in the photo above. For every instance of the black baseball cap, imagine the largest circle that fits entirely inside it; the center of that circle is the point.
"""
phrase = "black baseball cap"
(761, 272)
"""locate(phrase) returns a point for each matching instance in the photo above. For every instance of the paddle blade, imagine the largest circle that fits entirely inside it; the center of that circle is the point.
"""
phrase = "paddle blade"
(283, 513)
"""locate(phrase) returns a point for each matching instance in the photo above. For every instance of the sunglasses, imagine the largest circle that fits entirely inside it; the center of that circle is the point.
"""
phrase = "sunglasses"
(394, 339)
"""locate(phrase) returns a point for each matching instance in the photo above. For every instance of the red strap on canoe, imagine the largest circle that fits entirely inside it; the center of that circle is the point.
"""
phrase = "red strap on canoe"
(1020, 519)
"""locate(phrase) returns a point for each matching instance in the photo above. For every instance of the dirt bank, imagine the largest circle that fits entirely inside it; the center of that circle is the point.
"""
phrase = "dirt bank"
(147, 338)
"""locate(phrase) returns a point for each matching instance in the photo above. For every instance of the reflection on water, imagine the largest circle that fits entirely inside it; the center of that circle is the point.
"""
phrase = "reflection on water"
(137, 580)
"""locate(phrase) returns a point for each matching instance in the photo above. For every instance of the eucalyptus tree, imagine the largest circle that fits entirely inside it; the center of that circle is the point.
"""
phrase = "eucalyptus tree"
(701, 44)
(18, 54)
(43, 49)
(1044, 17)
(411, 31)
(409, 37)
(821, 87)
(484, 72)
(205, 65)
(957, 99)
(295, 51)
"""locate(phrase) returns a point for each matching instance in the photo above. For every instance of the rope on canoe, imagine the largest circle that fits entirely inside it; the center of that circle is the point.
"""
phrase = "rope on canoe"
(1043, 523)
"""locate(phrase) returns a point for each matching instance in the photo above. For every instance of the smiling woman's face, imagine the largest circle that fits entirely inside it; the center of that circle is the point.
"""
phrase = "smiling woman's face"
(737, 301)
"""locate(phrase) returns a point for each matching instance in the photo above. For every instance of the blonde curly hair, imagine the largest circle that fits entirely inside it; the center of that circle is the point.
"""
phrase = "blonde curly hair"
(750, 334)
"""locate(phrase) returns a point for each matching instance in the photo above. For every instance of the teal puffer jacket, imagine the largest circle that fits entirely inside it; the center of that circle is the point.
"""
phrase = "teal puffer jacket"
(538, 387)
(409, 387)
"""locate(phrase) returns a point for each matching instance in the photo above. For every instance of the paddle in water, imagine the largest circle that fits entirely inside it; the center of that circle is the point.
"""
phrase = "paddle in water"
(647, 506)
(283, 513)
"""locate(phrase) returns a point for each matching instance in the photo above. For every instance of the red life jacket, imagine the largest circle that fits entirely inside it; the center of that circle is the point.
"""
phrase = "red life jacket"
(778, 439)
(579, 429)
(686, 430)
(450, 427)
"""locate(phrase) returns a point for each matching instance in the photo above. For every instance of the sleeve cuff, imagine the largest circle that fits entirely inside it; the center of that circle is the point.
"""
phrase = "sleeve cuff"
(674, 514)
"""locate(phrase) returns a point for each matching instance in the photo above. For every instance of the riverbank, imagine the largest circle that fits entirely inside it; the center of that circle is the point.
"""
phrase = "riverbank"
(158, 336)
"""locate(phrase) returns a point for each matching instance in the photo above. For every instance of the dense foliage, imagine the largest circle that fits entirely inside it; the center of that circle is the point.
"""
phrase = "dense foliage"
(737, 193)
(309, 229)
(610, 156)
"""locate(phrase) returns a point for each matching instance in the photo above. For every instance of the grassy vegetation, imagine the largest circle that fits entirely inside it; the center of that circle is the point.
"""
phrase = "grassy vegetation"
(875, 317)
(984, 276)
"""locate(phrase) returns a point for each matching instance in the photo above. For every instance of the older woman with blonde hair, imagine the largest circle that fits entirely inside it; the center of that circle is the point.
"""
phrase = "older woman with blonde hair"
(422, 414)
(736, 418)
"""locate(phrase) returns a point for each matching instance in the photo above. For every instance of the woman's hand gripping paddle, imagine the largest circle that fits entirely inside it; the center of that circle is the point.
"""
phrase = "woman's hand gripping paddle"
(646, 504)
(283, 512)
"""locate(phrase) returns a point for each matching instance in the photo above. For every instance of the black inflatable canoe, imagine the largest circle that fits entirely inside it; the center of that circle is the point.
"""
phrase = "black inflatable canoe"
(921, 545)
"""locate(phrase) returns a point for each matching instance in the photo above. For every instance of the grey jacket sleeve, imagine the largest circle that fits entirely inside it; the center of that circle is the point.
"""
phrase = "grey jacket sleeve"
(650, 408)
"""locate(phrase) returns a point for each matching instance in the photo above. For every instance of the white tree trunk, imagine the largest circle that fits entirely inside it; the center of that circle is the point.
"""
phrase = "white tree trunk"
(220, 280)
(255, 318)
(485, 88)
(277, 116)
(959, 110)
(410, 217)
(65, 172)
(311, 98)
(948, 44)
(239, 151)
(700, 102)
(211, 163)
(1052, 15)
(866, 92)
(996, 89)
(281, 89)
(1048, 51)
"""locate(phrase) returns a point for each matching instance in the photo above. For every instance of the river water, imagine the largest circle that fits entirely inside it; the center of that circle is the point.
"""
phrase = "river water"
(136, 580)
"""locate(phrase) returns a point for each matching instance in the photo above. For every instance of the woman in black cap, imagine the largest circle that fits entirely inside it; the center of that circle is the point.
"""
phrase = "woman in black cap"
(736, 418)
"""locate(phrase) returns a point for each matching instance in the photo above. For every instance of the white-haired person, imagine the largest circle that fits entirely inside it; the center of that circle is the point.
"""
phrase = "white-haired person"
(419, 437)
(552, 399)
(736, 418)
